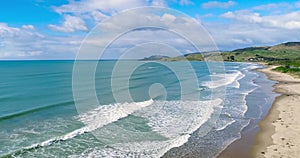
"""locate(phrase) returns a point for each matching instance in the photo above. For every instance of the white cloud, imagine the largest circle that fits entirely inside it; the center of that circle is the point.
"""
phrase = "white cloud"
(96, 11)
(298, 4)
(168, 18)
(25, 30)
(108, 7)
(164, 3)
(147, 37)
(217, 4)
(7, 31)
(271, 6)
(70, 24)
(98, 16)
(185, 2)
(27, 43)
(101, 9)
(15, 41)
(243, 15)
(245, 28)
(4, 55)
(248, 28)
(159, 3)
(28, 27)
(277, 8)
(142, 20)
(285, 21)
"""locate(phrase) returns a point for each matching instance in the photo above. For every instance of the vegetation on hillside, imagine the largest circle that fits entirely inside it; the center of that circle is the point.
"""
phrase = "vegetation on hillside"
(291, 67)
(286, 55)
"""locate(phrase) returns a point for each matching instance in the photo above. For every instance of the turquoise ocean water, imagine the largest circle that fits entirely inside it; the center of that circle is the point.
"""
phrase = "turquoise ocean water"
(38, 116)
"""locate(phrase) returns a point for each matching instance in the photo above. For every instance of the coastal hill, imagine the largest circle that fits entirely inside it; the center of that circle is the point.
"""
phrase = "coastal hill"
(155, 57)
(285, 51)
(287, 55)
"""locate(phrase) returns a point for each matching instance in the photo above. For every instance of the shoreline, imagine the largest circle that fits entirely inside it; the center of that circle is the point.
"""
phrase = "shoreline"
(279, 134)
(241, 147)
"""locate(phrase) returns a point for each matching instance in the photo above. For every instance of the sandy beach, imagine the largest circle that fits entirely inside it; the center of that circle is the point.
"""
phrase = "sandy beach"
(280, 130)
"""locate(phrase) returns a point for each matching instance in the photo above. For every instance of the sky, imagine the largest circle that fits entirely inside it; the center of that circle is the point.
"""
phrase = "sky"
(55, 29)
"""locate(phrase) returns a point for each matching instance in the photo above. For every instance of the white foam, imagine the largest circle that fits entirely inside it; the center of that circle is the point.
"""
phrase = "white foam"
(153, 149)
(171, 118)
(106, 114)
(98, 118)
(151, 67)
(29, 131)
(219, 80)
(200, 89)
(175, 120)
(253, 66)
(226, 125)
(236, 83)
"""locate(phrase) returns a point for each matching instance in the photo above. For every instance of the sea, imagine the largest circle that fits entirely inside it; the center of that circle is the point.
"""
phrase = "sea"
(152, 109)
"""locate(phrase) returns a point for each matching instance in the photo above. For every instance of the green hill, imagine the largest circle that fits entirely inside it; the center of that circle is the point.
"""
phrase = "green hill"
(285, 51)
(286, 54)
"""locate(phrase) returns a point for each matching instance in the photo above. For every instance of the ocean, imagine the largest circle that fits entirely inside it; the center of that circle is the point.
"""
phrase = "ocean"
(154, 110)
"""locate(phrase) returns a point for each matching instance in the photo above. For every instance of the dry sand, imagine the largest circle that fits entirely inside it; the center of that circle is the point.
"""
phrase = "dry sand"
(279, 136)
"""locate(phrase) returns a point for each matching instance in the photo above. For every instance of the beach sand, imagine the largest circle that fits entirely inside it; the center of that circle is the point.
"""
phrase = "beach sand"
(279, 134)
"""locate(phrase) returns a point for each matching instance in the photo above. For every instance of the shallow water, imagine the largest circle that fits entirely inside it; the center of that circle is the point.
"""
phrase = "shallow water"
(166, 109)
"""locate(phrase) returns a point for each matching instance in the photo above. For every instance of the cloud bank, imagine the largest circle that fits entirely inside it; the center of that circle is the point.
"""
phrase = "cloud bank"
(265, 24)
(217, 4)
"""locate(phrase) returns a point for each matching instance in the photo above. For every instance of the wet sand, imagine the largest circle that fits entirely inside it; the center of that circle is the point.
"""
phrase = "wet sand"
(280, 130)
(241, 148)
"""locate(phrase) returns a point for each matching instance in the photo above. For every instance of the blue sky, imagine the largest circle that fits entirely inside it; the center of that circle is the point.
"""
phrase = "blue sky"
(54, 29)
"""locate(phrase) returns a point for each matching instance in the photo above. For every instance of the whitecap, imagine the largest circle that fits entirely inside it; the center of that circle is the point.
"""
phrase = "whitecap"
(219, 80)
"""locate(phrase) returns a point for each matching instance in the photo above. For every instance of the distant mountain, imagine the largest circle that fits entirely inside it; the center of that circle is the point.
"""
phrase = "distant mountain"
(155, 57)
(286, 46)
(290, 44)
(287, 55)
(284, 51)
(250, 49)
